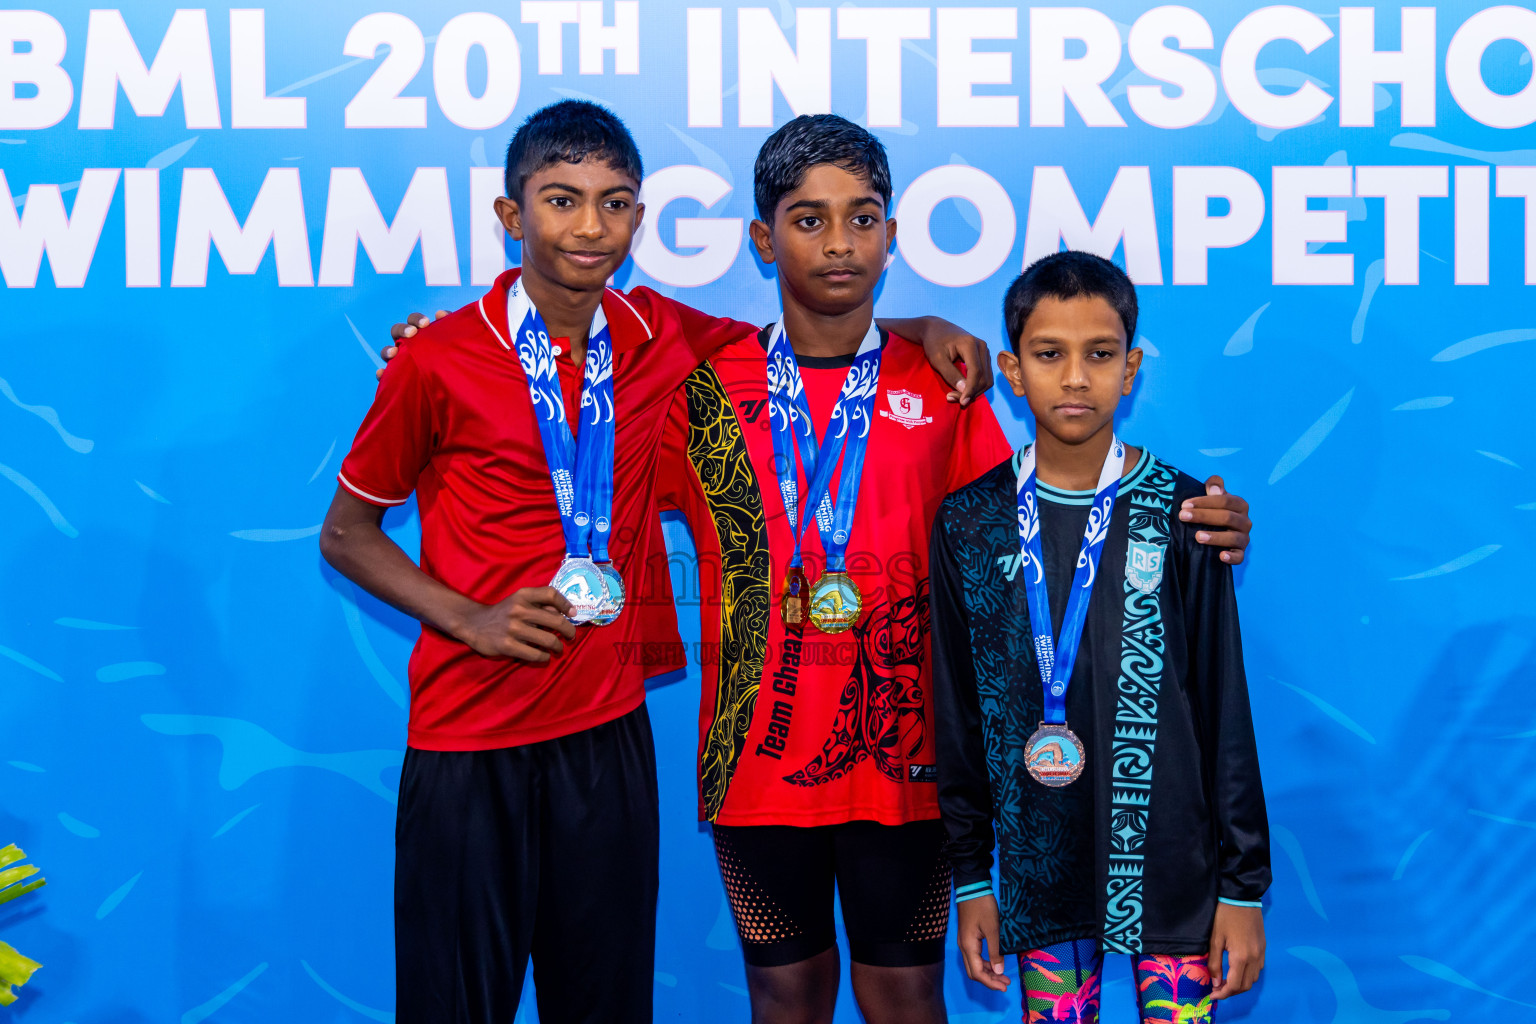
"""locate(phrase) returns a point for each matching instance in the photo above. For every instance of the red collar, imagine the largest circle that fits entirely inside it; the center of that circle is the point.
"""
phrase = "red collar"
(626, 326)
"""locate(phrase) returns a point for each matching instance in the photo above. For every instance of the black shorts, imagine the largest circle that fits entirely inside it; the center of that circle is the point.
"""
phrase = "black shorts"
(892, 880)
(547, 851)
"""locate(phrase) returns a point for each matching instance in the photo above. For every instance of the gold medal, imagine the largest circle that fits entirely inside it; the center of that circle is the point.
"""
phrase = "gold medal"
(795, 605)
(835, 603)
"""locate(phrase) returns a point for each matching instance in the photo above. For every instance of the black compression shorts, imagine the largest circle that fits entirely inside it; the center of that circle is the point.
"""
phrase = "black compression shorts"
(892, 881)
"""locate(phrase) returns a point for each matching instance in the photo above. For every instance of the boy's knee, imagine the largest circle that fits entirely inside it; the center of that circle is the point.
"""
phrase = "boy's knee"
(798, 993)
(900, 995)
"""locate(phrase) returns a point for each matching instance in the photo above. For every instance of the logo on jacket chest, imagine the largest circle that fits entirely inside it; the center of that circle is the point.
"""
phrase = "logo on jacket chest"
(1144, 565)
(906, 408)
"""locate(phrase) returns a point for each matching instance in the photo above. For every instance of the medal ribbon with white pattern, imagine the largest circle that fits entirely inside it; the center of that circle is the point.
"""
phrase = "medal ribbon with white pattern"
(1046, 754)
(845, 440)
(580, 467)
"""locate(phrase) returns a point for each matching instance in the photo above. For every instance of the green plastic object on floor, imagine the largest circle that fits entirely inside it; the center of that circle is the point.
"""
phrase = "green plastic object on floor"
(16, 879)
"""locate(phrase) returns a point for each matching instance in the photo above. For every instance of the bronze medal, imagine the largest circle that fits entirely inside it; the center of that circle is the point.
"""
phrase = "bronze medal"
(795, 605)
(1054, 755)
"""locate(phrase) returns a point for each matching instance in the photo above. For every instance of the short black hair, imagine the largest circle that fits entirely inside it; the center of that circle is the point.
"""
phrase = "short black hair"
(569, 132)
(812, 139)
(1068, 275)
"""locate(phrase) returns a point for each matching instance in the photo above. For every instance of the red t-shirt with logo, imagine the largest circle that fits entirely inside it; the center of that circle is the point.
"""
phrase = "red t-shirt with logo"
(453, 422)
(797, 727)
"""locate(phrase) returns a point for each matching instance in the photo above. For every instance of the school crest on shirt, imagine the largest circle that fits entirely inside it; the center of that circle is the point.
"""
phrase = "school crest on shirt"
(906, 408)
(1144, 565)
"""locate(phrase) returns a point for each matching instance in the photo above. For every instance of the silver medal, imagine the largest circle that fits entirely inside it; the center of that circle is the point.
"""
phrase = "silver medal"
(615, 591)
(581, 582)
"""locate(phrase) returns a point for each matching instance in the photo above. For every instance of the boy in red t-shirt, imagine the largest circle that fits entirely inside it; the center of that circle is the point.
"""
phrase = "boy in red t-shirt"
(527, 821)
(529, 782)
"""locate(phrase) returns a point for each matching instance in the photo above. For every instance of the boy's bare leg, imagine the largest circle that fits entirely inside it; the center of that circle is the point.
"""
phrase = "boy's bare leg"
(798, 993)
(806, 992)
(900, 995)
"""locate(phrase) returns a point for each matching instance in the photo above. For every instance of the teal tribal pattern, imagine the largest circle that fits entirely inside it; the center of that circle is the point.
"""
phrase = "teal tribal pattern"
(1141, 676)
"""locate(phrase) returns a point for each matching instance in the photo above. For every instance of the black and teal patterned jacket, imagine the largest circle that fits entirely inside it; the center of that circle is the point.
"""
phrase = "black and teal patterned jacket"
(1168, 815)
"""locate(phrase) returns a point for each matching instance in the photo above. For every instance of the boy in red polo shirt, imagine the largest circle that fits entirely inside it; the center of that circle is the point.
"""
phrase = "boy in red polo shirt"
(529, 425)
(530, 759)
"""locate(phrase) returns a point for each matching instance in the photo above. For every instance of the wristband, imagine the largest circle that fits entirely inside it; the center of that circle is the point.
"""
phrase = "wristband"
(975, 890)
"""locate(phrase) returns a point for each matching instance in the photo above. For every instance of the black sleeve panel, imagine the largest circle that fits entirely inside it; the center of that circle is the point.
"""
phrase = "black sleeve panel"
(965, 794)
(1219, 686)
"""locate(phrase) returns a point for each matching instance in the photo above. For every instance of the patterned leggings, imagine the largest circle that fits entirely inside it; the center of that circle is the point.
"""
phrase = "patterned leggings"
(1061, 983)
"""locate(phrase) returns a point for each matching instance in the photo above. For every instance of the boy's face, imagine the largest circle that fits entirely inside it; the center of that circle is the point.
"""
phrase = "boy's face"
(829, 241)
(1074, 365)
(576, 222)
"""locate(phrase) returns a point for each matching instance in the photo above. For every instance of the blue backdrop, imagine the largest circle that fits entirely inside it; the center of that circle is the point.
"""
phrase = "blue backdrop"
(201, 724)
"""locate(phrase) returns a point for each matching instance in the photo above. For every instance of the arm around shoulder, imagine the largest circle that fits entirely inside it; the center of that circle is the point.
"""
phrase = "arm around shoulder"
(1224, 516)
(946, 346)
(705, 335)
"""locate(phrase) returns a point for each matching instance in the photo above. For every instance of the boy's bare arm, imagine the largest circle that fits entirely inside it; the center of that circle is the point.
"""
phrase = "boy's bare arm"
(527, 626)
(945, 345)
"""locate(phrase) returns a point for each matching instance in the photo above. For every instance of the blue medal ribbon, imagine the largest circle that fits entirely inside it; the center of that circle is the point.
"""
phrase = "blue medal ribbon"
(580, 467)
(1056, 658)
(846, 438)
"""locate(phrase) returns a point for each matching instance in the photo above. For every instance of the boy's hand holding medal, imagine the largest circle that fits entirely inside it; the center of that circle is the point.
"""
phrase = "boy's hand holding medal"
(527, 626)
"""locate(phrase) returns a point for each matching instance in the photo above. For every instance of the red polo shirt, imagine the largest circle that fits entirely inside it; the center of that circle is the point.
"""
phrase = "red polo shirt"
(453, 422)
